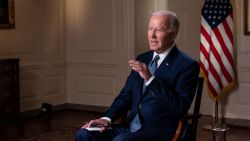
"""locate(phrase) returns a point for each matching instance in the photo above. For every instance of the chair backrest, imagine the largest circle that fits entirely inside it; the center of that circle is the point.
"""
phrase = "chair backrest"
(187, 128)
(196, 110)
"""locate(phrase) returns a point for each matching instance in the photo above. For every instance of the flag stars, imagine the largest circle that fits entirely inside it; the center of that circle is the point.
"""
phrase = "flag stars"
(214, 11)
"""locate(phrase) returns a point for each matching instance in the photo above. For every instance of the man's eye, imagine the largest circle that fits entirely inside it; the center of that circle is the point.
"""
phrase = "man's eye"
(160, 30)
(156, 29)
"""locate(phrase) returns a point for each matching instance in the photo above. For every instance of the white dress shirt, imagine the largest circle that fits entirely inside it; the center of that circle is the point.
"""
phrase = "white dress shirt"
(162, 56)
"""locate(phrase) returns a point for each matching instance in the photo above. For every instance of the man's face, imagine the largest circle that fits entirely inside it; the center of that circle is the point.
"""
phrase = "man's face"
(160, 37)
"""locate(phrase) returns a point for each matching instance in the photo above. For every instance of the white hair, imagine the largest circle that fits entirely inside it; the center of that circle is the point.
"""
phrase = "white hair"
(172, 17)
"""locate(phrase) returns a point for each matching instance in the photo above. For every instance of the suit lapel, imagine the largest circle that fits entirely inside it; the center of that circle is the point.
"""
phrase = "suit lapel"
(168, 61)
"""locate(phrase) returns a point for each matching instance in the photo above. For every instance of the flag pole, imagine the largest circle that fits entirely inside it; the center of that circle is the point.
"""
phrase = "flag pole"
(214, 122)
(216, 119)
(218, 127)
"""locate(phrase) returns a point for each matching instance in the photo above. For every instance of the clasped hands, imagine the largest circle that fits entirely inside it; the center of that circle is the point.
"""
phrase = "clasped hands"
(141, 68)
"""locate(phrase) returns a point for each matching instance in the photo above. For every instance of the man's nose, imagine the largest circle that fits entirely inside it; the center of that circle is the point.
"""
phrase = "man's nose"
(153, 34)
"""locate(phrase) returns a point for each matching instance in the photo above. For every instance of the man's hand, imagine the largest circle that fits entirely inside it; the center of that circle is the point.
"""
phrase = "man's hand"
(102, 123)
(141, 68)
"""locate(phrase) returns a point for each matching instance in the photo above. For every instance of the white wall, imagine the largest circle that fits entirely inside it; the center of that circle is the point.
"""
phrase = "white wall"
(76, 51)
(237, 104)
(98, 49)
(39, 41)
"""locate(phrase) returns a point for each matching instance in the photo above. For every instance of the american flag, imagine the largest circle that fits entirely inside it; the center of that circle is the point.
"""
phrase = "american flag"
(216, 47)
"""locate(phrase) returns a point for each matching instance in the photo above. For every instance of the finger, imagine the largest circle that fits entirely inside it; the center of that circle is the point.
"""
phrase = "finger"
(91, 123)
(131, 61)
(105, 123)
(136, 65)
(134, 62)
(137, 69)
(85, 125)
(103, 129)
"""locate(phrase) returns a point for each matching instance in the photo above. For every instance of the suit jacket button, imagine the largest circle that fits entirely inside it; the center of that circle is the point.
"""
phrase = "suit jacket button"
(139, 106)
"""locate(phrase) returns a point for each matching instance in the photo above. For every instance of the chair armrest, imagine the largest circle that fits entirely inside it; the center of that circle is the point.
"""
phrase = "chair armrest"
(182, 122)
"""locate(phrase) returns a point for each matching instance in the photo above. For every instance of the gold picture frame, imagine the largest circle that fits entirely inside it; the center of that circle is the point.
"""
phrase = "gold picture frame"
(246, 12)
(7, 20)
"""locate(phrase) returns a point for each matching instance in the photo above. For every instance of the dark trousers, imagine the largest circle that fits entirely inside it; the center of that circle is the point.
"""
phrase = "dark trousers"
(122, 134)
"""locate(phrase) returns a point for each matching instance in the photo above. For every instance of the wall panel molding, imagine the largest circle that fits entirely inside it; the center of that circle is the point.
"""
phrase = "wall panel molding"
(42, 84)
(54, 33)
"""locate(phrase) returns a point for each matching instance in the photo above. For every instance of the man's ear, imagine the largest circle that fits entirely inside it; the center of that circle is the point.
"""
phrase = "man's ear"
(173, 35)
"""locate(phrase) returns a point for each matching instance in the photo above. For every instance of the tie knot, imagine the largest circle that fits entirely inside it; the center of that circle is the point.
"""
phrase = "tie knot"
(156, 58)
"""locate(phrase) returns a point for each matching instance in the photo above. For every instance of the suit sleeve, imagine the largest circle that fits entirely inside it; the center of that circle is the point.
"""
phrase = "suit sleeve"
(177, 98)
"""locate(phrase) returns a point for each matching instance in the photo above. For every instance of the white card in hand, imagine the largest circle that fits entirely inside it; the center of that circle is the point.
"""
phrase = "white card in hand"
(95, 128)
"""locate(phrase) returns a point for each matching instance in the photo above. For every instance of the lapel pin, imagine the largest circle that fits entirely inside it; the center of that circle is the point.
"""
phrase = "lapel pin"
(166, 64)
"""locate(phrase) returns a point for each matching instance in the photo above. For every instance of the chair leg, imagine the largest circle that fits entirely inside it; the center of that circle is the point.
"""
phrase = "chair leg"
(224, 136)
(214, 135)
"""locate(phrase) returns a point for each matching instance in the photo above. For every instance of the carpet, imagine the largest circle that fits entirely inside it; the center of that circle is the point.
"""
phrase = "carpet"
(66, 134)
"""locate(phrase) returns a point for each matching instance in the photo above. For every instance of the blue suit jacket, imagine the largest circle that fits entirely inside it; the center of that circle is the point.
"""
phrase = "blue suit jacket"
(166, 98)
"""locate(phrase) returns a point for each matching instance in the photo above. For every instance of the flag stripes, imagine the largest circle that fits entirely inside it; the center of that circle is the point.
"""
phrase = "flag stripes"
(216, 47)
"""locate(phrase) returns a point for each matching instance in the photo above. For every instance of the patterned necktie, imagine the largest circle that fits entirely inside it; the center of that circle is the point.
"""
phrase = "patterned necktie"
(135, 123)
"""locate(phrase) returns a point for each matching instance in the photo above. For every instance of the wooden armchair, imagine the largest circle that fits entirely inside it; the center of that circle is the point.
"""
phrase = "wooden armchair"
(187, 127)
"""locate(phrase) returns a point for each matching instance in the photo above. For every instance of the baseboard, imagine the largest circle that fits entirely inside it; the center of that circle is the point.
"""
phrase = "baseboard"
(232, 121)
(36, 112)
(70, 106)
(66, 106)
(237, 122)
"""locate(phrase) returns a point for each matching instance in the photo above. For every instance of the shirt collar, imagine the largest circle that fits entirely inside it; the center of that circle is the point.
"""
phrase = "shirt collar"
(165, 53)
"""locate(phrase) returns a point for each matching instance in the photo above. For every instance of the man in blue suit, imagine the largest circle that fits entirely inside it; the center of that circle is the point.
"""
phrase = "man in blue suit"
(158, 91)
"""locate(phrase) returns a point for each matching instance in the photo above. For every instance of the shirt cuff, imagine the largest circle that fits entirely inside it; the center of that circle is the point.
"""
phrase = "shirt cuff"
(150, 80)
(107, 118)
